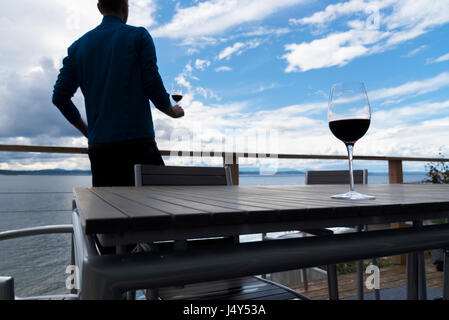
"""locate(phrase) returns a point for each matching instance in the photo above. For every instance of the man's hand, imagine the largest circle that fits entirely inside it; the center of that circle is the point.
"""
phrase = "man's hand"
(178, 112)
(175, 112)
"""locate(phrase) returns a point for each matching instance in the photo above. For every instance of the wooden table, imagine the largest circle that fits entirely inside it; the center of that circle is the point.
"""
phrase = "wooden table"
(125, 215)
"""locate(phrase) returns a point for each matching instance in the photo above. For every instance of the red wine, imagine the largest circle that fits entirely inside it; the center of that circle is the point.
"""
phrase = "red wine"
(177, 97)
(350, 130)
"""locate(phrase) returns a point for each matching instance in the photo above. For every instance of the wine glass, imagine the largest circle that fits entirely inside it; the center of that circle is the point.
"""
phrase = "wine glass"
(349, 118)
(176, 93)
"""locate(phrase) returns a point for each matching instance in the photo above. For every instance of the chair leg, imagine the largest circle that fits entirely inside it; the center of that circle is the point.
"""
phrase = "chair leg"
(376, 291)
(332, 281)
(305, 279)
(359, 267)
(446, 275)
(422, 287)
(264, 237)
(412, 276)
(421, 268)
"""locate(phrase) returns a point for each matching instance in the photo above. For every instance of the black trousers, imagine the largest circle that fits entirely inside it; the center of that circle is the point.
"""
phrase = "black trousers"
(112, 164)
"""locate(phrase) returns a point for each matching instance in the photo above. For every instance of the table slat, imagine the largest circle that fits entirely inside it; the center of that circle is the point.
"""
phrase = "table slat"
(97, 215)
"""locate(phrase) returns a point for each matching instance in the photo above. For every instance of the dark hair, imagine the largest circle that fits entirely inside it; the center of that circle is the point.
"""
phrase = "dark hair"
(111, 5)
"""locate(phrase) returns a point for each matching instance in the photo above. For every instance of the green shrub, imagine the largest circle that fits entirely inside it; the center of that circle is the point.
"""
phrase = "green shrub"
(438, 172)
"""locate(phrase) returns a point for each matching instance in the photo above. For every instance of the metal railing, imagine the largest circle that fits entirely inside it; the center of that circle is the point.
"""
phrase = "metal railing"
(7, 283)
(395, 164)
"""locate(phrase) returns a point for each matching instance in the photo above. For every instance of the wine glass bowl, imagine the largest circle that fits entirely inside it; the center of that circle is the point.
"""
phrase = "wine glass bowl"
(349, 118)
(176, 93)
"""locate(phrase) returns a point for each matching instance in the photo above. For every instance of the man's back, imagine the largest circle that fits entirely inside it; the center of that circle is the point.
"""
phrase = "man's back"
(115, 66)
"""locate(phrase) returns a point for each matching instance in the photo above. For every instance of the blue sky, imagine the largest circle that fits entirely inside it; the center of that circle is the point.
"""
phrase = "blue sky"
(256, 75)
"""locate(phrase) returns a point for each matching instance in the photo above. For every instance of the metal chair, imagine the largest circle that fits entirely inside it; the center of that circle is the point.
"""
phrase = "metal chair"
(331, 177)
(247, 288)
(342, 177)
(336, 177)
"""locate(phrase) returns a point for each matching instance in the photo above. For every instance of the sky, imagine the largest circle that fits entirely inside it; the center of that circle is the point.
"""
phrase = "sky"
(255, 74)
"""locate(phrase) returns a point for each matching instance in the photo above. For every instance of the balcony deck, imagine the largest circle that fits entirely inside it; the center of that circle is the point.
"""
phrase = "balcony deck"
(390, 277)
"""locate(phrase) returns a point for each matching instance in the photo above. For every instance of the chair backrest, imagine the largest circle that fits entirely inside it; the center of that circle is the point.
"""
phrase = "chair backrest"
(336, 177)
(148, 175)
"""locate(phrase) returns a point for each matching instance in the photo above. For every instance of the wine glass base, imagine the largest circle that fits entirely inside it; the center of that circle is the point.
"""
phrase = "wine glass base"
(353, 195)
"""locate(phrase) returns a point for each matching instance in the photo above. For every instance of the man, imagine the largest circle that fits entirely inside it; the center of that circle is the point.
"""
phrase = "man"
(115, 66)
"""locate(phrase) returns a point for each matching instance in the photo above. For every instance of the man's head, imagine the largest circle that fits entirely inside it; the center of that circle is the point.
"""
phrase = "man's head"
(118, 8)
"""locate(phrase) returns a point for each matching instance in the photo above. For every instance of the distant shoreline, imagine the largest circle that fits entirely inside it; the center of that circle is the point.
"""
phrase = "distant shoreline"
(55, 172)
(60, 172)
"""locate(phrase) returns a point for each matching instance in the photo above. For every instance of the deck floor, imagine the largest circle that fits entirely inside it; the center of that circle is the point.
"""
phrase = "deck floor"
(390, 277)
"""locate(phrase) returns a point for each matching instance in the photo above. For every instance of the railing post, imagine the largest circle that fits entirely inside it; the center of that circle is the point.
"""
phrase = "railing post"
(395, 171)
(232, 160)
(396, 176)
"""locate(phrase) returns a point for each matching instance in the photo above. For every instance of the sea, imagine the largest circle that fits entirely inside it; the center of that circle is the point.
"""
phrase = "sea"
(38, 264)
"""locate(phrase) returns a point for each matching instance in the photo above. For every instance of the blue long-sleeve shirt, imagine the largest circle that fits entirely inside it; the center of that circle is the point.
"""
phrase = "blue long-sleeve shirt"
(115, 66)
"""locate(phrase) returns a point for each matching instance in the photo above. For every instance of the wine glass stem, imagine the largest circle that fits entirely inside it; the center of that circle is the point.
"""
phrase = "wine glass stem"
(351, 174)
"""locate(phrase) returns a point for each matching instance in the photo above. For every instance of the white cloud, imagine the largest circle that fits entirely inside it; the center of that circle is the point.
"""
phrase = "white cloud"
(303, 129)
(238, 48)
(185, 77)
(412, 18)
(334, 11)
(406, 114)
(443, 58)
(223, 68)
(404, 20)
(228, 51)
(337, 49)
(263, 31)
(415, 51)
(412, 88)
(264, 88)
(202, 64)
(422, 138)
(207, 93)
(216, 16)
(38, 163)
(25, 104)
(25, 27)
(142, 13)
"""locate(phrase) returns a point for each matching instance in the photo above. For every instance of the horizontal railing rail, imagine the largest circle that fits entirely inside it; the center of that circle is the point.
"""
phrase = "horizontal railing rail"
(36, 231)
(232, 158)
(81, 150)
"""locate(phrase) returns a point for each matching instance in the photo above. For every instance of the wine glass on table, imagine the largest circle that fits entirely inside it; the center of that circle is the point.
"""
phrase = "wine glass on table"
(349, 118)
